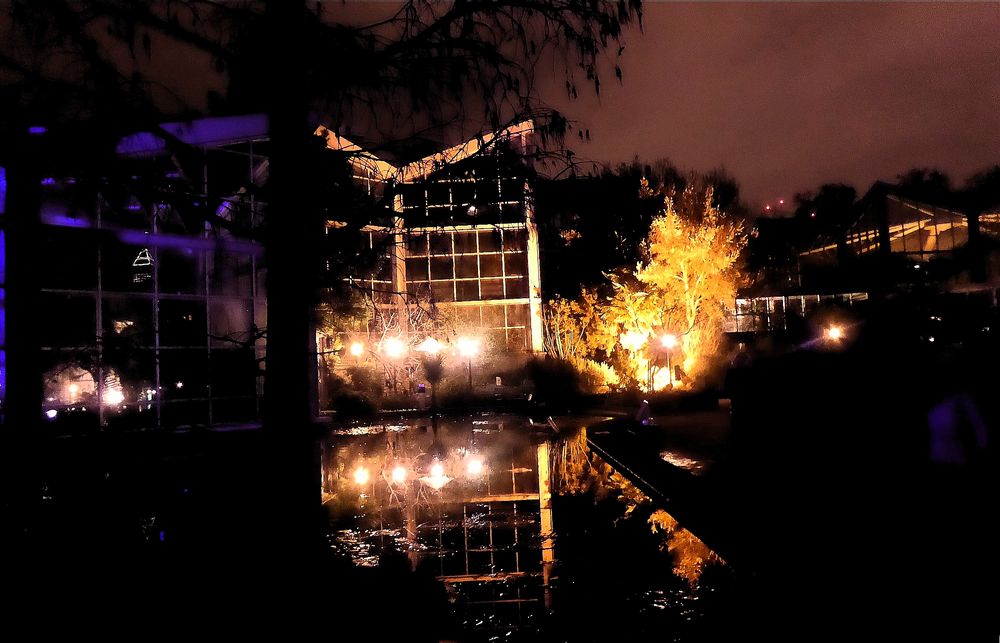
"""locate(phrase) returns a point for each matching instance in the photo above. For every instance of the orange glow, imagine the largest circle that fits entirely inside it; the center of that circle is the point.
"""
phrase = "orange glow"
(835, 333)
(430, 346)
(394, 347)
(357, 348)
(468, 346)
(361, 476)
(399, 475)
(669, 341)
(632, 340)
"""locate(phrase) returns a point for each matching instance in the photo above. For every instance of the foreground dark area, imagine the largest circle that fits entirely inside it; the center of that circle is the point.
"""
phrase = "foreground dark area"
(854, 492)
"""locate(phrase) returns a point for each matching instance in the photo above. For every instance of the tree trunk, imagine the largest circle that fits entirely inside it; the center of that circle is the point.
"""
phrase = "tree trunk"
(292, 229)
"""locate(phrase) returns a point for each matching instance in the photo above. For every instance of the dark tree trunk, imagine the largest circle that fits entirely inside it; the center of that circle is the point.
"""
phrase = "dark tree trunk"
(292, 230)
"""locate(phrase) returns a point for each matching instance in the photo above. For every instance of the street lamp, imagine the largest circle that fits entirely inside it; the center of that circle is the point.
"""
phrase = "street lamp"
(357, 349)
(834, 333)
(468, 348)
(394, 349)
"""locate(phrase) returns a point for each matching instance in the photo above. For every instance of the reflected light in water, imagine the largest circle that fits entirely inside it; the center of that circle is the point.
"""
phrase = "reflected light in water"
(399, 475)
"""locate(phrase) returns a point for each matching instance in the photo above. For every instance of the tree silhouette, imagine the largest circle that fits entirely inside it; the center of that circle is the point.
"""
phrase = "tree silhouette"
(427, 68)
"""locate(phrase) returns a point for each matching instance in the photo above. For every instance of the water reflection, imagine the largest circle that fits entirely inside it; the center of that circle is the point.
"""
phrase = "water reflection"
(477, 505)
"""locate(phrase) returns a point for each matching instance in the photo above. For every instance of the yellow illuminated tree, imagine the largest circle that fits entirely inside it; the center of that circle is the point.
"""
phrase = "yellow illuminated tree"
(682, 287)
(694, 252)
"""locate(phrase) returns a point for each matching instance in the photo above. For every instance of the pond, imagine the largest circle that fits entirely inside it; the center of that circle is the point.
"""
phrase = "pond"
(526, 533)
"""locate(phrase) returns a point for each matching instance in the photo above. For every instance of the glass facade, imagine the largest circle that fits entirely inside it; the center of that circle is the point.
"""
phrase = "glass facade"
(464, 242)
(907, 227)
(153, 295)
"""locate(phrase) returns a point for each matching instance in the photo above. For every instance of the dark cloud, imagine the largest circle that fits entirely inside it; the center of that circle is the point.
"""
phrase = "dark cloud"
(791, 95)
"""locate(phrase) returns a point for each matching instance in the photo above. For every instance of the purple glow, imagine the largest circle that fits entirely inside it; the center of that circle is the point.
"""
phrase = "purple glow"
(3, 189)
(63, 221)
(37, 130)
(207, 132)
(48, 181)
(135, 237)
(163, 536)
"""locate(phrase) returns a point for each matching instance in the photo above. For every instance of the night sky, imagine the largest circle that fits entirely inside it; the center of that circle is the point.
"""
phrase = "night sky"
(788, 96)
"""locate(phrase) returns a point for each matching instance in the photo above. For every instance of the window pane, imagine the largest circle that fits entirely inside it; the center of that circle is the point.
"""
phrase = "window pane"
(181, 271)
(441, 268)
(182, 323)
(69, 320)
(230, 320)
(490, 266)
(128, 321)
(468, 290)
(443, 291)
(465, 242)
(466, 266)
(441, 243)
(516, 263)
(416, 269)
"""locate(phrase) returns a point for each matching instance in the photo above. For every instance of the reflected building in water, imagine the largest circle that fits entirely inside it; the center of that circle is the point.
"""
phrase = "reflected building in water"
(471, 503)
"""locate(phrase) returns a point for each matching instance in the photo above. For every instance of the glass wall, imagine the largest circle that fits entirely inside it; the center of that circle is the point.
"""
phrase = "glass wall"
(154, 302)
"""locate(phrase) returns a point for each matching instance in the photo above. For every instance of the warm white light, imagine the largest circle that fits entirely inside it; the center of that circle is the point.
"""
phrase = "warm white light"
(475, 467)
(113, 397)
(632, 340)
(51, 414)
(781, 202)
(361, 476)
(430, 346)
(357, 348)
(437, 471)
(399, 475)
(669, 341)
(73, 389)
(394, 347)
(468, 346)
(179, 385)
(835, 333)
(930, 339)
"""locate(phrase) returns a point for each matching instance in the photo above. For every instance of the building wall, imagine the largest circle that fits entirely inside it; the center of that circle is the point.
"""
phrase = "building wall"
(153, 300)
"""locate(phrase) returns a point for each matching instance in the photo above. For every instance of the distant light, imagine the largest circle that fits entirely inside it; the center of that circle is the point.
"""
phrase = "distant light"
(430, 345)
(931, 339)
(916, 266)
(399, 475)
(475, 467)
(472, 210)
(669, 341)
(767, 207)
(51, 414)
(73, 389)
(179, 385)
(37, 130)
(361, 476)
(835, 333)
(114, 397)
(357, 348)
(394, 347)
(781, 202)
(812, 214)
(468, 346)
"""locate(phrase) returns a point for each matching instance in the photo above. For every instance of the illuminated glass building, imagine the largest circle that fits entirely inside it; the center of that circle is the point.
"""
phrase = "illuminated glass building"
(462, 238)
(151, 288)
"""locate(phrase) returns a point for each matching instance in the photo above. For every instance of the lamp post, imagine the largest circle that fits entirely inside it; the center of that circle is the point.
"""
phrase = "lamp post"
(468, 348)
(669, 342)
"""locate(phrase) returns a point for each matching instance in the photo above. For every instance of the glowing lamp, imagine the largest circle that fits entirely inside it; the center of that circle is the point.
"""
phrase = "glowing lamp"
(669, 341)
(430, 346)
(468, 346)
(835, 333)
(475, 467)
(361, 476)
(114, 397)
(394, 347)
(399, 475)
(357, 348)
